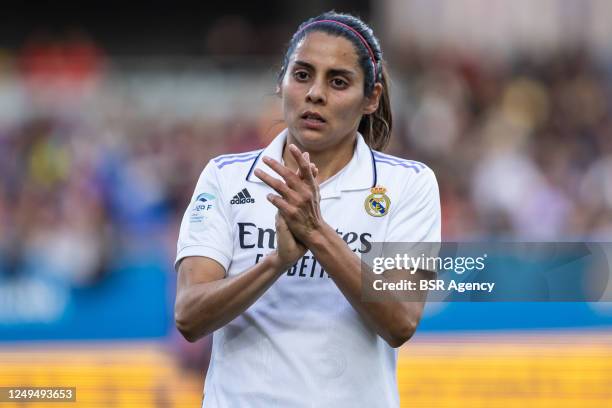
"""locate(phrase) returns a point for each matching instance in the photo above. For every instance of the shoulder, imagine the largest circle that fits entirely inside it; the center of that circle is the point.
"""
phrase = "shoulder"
(235, 160)
(226, 169)
(409, 178)
(229, 166)
(387, 164)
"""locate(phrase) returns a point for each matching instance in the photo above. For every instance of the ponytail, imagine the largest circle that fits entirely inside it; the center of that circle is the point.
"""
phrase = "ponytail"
(376, 127)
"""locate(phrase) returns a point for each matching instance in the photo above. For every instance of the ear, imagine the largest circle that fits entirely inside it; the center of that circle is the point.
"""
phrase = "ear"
(371, 102)
(279, 86)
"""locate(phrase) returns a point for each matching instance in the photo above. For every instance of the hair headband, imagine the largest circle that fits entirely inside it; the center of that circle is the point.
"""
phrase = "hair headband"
(363, 40)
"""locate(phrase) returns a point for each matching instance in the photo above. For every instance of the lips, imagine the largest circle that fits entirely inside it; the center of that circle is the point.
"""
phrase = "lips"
(313, 116)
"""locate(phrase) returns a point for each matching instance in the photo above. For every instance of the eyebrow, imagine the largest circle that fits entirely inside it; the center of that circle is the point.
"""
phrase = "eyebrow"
(333, 71)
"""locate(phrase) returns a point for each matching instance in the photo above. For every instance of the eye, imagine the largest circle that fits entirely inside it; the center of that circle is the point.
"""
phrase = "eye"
(301, 75)
(339, 83)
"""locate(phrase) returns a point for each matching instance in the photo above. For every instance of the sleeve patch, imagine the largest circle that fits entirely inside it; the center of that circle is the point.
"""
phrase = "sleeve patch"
(201, 207)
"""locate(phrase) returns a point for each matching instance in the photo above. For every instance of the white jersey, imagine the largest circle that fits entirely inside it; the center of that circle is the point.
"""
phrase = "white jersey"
(302, 344)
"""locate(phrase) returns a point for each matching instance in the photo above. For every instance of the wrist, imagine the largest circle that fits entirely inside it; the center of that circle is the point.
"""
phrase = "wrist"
(319, 238)
(276, 263)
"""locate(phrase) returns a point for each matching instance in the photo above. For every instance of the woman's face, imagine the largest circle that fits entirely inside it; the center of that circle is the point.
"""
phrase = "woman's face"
(322, 92)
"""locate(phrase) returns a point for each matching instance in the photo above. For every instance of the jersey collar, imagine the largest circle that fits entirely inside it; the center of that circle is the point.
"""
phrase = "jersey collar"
(359, 173)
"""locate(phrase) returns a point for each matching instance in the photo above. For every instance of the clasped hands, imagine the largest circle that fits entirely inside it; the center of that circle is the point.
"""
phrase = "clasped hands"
(298, 221)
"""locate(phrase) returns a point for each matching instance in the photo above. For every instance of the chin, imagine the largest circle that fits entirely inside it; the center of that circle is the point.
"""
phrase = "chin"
(311, 139)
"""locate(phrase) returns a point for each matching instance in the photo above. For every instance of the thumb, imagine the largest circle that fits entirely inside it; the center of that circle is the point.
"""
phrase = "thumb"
(281, 224)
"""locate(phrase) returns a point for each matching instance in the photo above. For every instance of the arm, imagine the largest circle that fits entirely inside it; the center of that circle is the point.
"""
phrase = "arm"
(206, 301)
(393, 320)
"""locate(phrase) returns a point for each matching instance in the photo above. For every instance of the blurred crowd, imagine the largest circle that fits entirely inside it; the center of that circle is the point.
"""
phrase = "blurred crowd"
(522, 150)
(84, 175)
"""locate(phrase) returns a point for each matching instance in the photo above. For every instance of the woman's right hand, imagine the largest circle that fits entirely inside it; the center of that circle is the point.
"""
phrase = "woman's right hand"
(288, 248)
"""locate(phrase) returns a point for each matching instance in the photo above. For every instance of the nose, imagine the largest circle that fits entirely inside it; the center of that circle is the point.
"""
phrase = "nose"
(316, 93)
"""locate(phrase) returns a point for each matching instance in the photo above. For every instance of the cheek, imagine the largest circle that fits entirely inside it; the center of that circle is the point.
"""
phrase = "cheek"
(290, 99)
(349, 108)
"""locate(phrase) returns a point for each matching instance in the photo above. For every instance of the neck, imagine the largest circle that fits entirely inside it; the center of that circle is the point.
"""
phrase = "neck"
(329, 161)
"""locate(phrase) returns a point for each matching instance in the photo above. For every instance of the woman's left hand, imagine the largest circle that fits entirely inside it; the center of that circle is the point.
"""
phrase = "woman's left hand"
(299, 198)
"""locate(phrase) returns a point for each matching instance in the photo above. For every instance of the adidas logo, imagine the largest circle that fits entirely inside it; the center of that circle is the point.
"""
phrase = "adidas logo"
(243, 197)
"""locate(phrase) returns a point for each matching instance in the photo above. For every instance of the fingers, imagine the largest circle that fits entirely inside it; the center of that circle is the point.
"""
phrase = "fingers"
(289, 177)
(278, 186)
(314, 169)
(305, 169)
(283, 206)
(303, 161)
(298, 187)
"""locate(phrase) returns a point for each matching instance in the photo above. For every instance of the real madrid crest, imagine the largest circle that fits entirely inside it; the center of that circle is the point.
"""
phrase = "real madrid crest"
(377, 204)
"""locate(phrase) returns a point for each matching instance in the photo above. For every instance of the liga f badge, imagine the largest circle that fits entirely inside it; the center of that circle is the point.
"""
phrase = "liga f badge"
(377, 203)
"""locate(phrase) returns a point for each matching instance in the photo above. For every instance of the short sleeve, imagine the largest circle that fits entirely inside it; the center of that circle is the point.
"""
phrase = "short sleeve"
(205, 228)
(417, 217)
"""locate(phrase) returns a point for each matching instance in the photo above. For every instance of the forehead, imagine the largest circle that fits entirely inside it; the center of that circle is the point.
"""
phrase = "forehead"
(326, 51)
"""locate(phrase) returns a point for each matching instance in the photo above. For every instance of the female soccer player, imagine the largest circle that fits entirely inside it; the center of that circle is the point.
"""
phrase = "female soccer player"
(269, 248)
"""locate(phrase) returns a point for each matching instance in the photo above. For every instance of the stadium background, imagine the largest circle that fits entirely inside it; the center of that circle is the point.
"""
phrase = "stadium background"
(108, 114)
